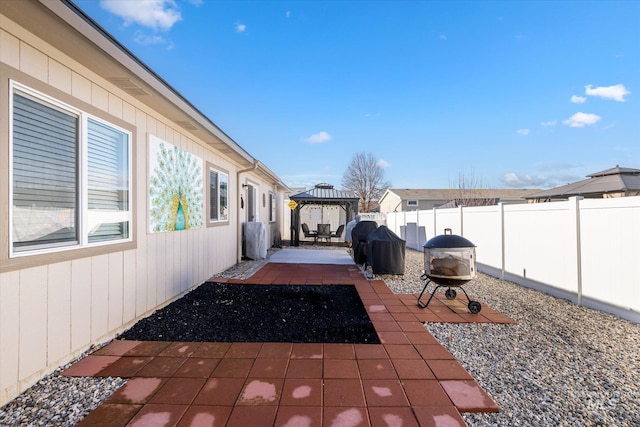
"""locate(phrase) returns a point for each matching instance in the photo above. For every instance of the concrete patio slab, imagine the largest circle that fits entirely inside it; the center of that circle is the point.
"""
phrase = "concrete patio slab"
(312, 256)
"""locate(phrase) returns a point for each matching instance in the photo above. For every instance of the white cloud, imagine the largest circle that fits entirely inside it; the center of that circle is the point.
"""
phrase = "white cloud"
(549, 123)
(523, 132)
(511, 179)
(155, 14)
(148, 39)
(616, 92)
(240, 28)
(318, 138)
(580, 120)
(442, 37)
(288, 14)
(515, 180)
(384, 164)
(578, 99)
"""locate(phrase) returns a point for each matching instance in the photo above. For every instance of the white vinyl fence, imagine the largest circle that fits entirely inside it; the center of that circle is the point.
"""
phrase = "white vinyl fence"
(583, 250)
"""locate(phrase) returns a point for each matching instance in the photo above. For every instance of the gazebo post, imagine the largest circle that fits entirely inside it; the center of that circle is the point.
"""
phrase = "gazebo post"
(295, 225)
(296, 231)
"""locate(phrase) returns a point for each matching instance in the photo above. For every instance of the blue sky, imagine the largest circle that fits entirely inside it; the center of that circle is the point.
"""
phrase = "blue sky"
(514, 94)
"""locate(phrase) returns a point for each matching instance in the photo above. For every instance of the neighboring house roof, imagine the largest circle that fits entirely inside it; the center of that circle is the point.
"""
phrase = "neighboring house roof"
(324, 192)
(614, 180)
(100, 52)
(449, 193)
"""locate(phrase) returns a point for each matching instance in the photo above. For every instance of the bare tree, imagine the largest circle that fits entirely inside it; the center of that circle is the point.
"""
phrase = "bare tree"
(365, 177)
(470, 190)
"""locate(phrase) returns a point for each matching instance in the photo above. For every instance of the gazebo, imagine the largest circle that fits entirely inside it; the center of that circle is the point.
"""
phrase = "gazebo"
(321, 194)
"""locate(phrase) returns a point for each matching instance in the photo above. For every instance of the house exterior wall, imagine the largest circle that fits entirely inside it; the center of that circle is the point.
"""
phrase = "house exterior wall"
(423, 204)
(391, 202)
(55, 306)
(424, 199)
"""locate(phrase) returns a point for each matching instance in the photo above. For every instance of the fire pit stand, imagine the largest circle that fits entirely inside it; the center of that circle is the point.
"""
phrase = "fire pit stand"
(474, 306)
(449, 261)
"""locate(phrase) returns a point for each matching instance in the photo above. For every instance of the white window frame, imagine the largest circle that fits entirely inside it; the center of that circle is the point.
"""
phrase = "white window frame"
(83, 171)
(219, 172)
(412, 203)
(272, 206)
(253, 190)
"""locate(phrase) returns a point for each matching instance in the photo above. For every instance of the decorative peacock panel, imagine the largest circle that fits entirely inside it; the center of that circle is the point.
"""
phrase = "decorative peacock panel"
(175, 188)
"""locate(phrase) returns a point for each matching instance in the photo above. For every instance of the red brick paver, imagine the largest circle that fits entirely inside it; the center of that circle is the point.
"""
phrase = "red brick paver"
(409, 379)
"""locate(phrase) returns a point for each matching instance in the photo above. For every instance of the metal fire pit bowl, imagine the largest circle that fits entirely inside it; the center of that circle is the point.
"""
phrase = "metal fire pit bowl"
(449, 261)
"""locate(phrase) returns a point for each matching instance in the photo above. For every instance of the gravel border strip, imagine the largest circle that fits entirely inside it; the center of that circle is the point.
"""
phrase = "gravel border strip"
(559, 365)
(56, 400)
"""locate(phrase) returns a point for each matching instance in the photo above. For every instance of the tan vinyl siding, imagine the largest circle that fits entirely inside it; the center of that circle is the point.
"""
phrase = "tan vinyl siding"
(54, 306)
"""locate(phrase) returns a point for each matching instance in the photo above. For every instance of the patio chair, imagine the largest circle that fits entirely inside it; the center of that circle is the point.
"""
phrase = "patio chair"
(338, 232)
(308, 233)
(324, 232)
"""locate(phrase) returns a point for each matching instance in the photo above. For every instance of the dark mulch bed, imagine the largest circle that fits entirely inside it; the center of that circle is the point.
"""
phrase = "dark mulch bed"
(261, 313)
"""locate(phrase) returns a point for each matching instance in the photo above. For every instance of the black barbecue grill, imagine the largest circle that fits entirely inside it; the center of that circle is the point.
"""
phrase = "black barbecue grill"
(449, 261)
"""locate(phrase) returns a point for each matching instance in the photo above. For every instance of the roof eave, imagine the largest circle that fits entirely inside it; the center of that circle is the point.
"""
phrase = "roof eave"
(177, 108)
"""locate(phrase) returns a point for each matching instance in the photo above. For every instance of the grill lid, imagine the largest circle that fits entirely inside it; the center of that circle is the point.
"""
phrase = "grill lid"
(448, 241)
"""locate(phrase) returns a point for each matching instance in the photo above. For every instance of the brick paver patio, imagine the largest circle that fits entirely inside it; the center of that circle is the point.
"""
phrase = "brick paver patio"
(409, 379)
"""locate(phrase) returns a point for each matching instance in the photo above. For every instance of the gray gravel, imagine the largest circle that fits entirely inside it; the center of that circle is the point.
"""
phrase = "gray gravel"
(559, 365)
(59, 401)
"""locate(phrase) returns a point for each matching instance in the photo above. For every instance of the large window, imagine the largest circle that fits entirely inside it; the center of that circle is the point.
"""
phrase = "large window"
(218, 196)
(71, 176)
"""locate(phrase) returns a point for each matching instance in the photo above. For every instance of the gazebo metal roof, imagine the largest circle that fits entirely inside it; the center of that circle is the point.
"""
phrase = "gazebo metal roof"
(325, 194)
